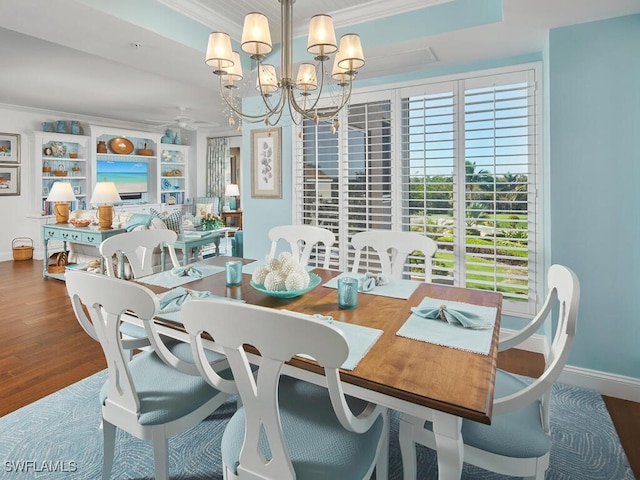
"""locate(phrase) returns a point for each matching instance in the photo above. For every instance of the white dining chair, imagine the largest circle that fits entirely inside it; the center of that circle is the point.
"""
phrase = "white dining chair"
(154, 396)
(302, 240)
(287, 428)
(391, 250)
(138, 247)
(518, 441)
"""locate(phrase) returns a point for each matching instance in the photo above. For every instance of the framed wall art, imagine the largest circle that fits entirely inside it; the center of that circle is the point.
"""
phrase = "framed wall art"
(9, 148)
(266, 163)
(9, 180)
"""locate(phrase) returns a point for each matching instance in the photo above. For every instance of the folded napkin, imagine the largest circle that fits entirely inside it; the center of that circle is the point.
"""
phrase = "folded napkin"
(325, 318)
(454, 316)
(371, 281)
(188, 271)
(173, 300)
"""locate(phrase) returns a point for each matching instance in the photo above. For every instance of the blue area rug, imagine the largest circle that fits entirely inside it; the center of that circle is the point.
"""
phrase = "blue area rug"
(59, 437)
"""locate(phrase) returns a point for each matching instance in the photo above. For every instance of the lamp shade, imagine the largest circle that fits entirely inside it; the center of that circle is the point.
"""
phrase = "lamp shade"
(350, 56)
(61, 192)
(219, 54)
(267, 80)
(322, 36)
(307, 80)
(105, 193)
(234, 74)
(256, 37)
(232, 190)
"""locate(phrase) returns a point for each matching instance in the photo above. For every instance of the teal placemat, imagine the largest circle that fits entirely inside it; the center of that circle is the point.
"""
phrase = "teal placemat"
(167, 279)
(360, 339)
(443, 333)
(396, 288)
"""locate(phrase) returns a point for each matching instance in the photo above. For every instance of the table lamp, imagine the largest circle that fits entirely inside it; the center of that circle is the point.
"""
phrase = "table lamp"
(105, 194)
(232, 191)
(62, 194)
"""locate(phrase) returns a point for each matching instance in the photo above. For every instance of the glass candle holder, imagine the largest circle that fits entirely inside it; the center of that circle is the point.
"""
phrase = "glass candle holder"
(233, 273)
(347, 293)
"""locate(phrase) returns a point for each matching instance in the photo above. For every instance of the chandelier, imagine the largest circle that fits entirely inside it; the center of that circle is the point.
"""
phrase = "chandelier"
(310, 96)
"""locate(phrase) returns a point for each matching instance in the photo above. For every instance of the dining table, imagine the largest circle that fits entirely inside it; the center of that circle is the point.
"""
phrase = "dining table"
(438, 382)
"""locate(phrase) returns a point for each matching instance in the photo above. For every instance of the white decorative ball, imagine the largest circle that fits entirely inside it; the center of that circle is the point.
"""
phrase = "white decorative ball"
(273, 264)
(260, 274)
(274, 281)
(295, 281)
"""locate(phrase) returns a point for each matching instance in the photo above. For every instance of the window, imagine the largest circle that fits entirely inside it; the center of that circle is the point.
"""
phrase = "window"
(455, 160)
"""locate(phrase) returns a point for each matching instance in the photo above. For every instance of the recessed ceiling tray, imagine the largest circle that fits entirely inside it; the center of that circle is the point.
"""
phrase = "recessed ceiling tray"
(122, 146)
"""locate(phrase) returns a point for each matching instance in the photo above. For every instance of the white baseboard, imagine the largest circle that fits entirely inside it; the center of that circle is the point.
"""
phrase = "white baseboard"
(609, 384)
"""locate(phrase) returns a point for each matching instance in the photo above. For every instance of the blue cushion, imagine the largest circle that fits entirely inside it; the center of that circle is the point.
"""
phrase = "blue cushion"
(165, 394)
(517, 434)
(319, 447)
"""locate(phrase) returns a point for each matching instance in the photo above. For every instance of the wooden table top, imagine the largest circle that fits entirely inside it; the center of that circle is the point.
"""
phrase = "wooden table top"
(446, 379)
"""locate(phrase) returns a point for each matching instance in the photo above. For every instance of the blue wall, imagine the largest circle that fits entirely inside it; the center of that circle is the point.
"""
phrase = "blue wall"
(594, 72)
(594, 145)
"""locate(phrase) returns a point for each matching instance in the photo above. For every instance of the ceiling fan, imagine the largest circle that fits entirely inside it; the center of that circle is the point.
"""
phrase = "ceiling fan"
(185, 122)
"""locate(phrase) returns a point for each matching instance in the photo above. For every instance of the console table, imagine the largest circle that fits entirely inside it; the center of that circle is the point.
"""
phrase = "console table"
(69, 233)
(191, 243)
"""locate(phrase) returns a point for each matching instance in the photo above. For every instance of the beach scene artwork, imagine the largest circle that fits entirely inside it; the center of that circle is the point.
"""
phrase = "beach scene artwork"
(129, 177)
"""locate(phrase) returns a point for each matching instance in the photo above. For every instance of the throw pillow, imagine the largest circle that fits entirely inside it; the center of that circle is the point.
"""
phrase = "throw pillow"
(173, 220)
(203, 208)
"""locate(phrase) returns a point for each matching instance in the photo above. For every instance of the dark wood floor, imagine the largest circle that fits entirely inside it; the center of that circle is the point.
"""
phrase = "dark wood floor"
(44, 349)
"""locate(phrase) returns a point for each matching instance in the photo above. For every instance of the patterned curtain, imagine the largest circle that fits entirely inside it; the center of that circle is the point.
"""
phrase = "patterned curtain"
(218, 166)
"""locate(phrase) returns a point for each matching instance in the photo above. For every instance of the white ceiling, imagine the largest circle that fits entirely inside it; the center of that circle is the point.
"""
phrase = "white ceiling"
(70, 56)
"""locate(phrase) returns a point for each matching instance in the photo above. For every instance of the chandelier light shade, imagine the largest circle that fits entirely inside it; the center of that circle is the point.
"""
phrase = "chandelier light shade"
(219, 54)
(267, 81)
(315, 93)
(62, 194)
(256, 36)
(322, 36)
(350, 56)
(234, 73)
(307, 80)
(105, 194)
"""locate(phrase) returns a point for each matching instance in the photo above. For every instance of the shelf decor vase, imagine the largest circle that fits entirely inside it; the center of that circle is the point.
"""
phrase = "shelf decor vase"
(102, 147)
(167, 137)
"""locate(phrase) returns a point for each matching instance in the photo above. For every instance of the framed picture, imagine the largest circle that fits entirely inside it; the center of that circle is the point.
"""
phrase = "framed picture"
(266, 163)
(9, 148)
(76, 190)
(9, 180)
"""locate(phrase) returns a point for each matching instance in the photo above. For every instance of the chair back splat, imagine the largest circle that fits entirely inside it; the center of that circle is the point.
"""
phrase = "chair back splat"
(392, 250)
(287, 428)
(303, 240)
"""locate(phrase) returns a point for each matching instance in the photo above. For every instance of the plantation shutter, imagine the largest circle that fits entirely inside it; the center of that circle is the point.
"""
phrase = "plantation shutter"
(469, 181)
(457, 162)
(367, 174)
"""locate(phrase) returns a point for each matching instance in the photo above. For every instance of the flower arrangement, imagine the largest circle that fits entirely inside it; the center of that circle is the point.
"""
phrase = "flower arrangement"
(211, 221)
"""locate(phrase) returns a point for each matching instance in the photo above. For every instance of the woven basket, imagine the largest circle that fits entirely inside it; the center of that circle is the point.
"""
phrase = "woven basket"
(22, 248)
(60, 263)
